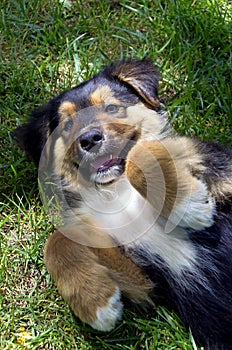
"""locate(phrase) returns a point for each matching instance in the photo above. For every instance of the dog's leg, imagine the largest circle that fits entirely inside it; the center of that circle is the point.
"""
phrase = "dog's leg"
(161, 172)
(90, 279)
(83, 282)
(131, 279)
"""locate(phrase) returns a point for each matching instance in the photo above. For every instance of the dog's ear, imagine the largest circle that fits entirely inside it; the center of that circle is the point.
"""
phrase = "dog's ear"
(142, 75)
(33, 135)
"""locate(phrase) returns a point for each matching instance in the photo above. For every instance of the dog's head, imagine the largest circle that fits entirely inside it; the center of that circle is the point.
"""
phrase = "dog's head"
(90, 129)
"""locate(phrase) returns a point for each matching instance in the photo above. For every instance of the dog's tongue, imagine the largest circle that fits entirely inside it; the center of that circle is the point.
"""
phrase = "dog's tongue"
(104, 162)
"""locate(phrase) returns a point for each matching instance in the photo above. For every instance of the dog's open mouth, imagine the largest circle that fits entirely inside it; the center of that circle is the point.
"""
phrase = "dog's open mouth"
(106, 168)
(107, 164)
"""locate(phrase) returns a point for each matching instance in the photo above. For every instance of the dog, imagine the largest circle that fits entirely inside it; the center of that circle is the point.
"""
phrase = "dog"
(146, 213)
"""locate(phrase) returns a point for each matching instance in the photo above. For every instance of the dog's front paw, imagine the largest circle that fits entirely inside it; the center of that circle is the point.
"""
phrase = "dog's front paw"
(196, 210)
(95, 298)
(87, 286)
(109, 315)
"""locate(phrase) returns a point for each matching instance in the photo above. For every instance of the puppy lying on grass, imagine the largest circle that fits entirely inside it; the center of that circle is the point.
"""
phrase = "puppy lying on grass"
(146, 213)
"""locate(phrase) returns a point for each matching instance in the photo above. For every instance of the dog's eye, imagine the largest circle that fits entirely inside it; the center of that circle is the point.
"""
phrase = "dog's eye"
(112, 108)
(68, 125)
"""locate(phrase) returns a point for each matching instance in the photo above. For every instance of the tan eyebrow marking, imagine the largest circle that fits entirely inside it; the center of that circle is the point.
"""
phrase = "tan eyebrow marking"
(67, 109)
(101, 94)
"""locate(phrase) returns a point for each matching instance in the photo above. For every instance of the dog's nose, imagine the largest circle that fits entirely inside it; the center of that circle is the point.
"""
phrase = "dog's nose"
(91, 139)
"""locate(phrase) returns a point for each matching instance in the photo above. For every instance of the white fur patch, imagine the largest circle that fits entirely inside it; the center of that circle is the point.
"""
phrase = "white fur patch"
(150, 121)
(127, 217)
(175, 249)
(108, 316)
(195, 211)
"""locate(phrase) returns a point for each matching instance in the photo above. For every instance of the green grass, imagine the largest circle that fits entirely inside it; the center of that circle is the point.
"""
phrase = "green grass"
(47, 47)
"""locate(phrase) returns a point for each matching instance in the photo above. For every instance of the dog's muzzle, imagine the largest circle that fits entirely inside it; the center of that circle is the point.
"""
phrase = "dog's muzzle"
(91, 140)
(103, 157)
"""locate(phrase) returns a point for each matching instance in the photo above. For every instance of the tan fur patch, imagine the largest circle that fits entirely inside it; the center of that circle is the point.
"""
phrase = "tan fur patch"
(136, 85)
(67, 109)
(152, 172)
(122, 130)
(81, 280)
(160, 172)
(131, 279)
(193, 157)
(219, 190)
(101, 94)
(84, 277)
(62, 153)
(150, 122)
(94, 238)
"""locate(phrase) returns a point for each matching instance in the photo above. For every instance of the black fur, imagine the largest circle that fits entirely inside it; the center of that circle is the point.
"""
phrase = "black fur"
(204, 300)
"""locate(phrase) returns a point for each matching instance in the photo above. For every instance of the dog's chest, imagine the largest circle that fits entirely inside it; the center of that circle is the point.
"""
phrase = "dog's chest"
(127, 217)
(120, 210)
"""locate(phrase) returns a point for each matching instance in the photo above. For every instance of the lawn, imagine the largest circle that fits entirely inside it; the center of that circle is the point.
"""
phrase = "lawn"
(48, 46)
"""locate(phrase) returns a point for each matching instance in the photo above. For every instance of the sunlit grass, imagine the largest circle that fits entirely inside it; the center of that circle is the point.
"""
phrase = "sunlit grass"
(49, 46)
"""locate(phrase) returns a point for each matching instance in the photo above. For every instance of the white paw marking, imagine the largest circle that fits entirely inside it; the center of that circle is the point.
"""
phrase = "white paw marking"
(108, 316)
(195, 211)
